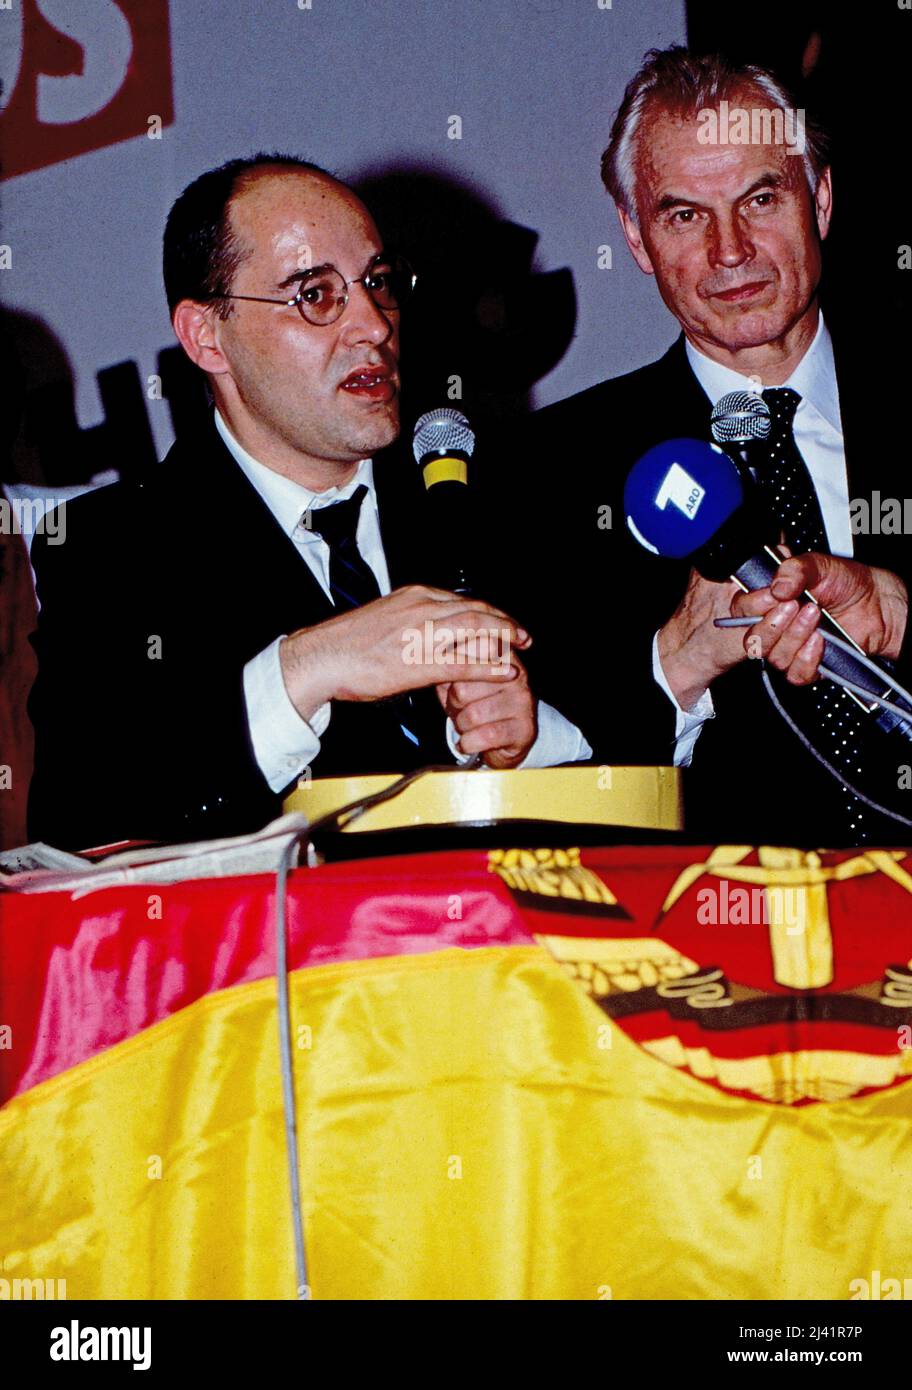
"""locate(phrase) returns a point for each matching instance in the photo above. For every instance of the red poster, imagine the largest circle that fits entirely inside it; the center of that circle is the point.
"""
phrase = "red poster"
(78, 77)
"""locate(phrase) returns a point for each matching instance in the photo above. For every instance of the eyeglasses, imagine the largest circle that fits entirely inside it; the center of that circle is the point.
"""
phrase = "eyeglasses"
(323, 293)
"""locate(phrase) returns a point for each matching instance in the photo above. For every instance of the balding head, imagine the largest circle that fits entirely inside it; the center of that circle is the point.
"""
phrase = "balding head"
(284, 210)
(200, 251)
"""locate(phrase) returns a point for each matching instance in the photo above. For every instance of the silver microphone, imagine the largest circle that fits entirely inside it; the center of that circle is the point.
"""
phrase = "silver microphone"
(740, 417)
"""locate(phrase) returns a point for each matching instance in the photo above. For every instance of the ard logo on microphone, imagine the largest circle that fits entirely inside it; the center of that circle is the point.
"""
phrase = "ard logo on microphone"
(679, 488)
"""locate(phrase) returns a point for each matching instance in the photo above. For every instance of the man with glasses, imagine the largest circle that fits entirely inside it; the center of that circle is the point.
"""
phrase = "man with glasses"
(245, 615)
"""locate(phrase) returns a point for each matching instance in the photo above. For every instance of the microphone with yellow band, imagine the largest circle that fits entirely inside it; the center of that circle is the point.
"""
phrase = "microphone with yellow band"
(442, 444)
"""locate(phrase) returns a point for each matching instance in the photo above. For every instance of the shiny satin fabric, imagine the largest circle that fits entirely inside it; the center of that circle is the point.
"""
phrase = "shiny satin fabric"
(81, 974)
(472, 1127)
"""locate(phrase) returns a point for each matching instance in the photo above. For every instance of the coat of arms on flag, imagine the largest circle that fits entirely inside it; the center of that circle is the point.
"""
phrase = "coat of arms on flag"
(770, 973)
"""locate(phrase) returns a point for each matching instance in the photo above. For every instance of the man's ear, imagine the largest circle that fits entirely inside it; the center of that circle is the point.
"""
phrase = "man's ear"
(635, 242)
(197, 332)
(823, 202)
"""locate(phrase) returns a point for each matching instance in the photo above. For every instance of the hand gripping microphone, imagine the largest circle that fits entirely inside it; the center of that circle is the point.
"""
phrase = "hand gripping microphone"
(688, 499)
(442, 444)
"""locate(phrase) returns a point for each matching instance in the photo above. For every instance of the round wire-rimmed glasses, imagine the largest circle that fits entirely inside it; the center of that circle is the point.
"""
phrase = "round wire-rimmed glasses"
(323, 295)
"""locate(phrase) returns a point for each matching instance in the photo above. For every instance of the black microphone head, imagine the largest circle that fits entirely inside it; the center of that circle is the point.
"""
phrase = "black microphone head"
(740, 417)
(441, 432)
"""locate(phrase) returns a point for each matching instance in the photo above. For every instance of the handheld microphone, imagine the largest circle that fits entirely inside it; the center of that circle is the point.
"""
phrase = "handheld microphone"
(740, 420)
(740, 417)
(688, 499)
(443, 443)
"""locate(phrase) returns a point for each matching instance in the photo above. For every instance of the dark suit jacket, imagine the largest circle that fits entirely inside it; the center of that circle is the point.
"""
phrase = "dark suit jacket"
(163, 590)
(594, 608)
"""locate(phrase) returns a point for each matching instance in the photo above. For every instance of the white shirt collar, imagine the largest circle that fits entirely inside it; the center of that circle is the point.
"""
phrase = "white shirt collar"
(814, 378)
(286, 499)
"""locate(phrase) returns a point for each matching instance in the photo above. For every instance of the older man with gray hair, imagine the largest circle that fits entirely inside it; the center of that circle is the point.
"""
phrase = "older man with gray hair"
(725, 196)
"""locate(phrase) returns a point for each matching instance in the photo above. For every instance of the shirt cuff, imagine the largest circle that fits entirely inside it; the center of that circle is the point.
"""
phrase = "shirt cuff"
(688, 723)
(558, 741)
(283, 743)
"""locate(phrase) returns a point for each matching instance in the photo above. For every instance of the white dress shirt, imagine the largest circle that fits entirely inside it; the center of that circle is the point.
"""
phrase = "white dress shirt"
(284, 743)
(818, 434)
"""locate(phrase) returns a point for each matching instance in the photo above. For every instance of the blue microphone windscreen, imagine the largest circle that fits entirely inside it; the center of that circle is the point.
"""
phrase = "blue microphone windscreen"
(679, 494)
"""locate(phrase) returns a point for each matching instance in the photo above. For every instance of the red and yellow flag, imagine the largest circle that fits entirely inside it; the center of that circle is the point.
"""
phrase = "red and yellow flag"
(662, 1073)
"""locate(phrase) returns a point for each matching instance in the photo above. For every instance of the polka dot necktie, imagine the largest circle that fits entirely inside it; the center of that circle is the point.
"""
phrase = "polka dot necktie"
(784, 478)
(839, 726)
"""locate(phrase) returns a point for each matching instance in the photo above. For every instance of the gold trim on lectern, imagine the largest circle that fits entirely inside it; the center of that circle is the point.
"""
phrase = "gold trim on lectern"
(644, 798)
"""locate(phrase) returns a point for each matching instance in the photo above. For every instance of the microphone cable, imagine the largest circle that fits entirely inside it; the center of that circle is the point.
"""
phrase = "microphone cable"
(334, 820)
(904, 715)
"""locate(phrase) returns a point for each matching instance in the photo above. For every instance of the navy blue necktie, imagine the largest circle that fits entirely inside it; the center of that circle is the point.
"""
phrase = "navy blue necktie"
(352, 582)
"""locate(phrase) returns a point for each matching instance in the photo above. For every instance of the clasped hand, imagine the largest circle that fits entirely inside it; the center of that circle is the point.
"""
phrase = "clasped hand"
(416, 637)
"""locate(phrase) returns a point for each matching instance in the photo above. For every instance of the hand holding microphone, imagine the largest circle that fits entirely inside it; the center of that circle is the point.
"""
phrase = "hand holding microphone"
(870, 604)
(686, 498)
(703, 638)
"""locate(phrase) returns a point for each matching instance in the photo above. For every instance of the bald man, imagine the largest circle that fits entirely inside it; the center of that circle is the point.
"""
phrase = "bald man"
(249, 612)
